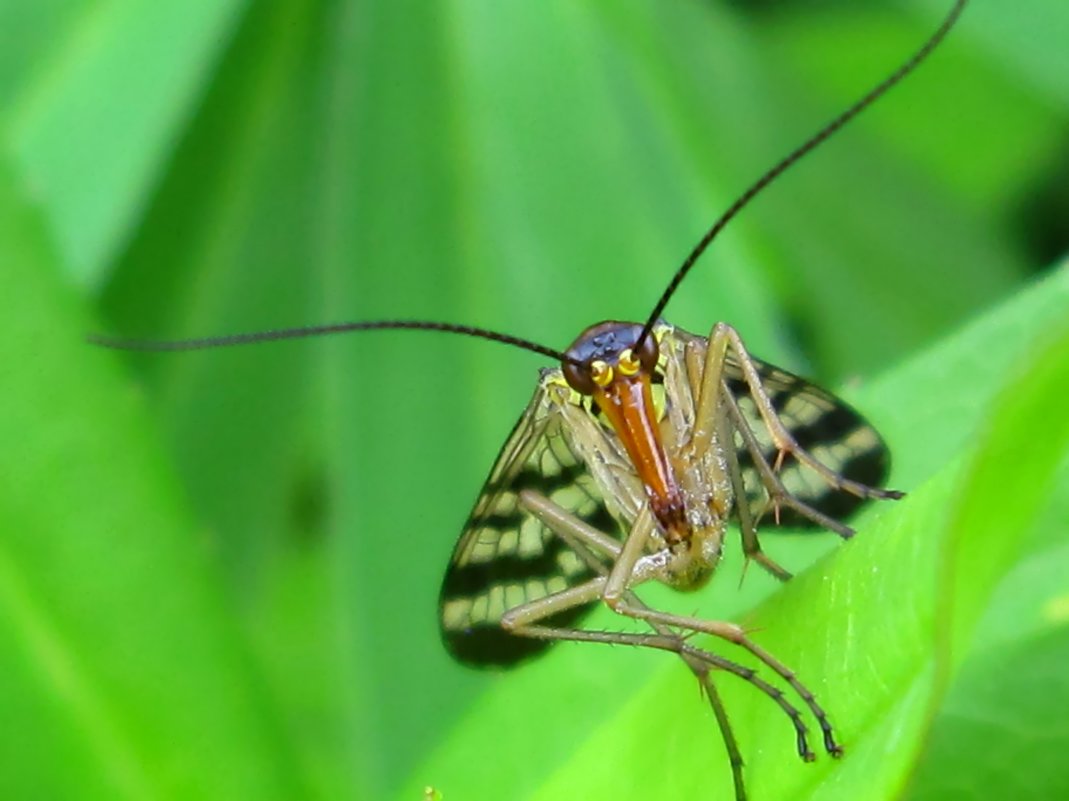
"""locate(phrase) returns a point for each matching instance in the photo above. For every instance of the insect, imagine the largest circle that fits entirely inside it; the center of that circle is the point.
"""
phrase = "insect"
(628, 465)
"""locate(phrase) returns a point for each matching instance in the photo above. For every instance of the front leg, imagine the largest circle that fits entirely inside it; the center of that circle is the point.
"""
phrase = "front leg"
(722, 338)
(716, 401)
(735, 634)
(751, 544)
(595, 547)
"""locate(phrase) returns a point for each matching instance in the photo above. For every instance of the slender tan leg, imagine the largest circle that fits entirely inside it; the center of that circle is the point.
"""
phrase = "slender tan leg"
(626, 570)
(734, 633)
(714, 391)
(724, 336)
(575, 532)
(562, 523)
(675, 644)
(731, 745)
(713, 396)
(751, 545)
(776, 491)
(524, 621)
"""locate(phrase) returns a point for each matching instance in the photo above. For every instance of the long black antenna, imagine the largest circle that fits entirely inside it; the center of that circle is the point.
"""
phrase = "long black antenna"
(782, 166)
(303, 332)
(788, 161)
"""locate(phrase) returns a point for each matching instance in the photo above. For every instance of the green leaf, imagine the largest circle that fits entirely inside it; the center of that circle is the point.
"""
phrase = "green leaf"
(97, 108)
(1010, 696)
(122, 675)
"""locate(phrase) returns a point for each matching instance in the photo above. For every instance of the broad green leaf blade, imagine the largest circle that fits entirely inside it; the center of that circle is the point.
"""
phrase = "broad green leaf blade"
(1029, 43)
(899, 236)
(954, 97)
(99, 109)
(124, 676)
(942, 396)
(230, 244)
(1010, 698)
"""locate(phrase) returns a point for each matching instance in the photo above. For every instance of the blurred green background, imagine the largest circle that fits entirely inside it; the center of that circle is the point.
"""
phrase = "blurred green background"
(219, 570)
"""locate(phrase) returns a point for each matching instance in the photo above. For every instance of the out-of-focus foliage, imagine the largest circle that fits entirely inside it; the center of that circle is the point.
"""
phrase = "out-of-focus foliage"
(219, 570)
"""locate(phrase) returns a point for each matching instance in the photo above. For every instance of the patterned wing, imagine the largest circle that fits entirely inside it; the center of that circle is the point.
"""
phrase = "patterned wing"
(505, 557)
(824, 425)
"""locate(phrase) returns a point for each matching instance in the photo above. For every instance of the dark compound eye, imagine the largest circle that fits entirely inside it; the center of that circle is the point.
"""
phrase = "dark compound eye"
(579, 377)
(645, 359)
